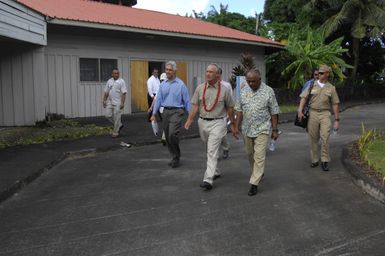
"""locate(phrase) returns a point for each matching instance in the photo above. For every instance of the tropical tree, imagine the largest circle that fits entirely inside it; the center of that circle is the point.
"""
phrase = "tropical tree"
(247, 64)
(308, 53)
(361, 18)
(225, 18)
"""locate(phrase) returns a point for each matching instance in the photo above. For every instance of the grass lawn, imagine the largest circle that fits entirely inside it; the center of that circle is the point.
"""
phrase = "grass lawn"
(51, 131)
(371, 147)
(376, 155)
(288, 108)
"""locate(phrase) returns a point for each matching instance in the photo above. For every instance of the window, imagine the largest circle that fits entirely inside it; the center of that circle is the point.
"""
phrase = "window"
(96, 70)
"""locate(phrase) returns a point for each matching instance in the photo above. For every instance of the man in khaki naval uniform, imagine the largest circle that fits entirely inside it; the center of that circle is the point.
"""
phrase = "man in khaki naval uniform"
(214, 102)
(323, 97)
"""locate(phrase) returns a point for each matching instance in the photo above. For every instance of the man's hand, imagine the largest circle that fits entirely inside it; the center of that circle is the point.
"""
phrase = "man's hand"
(188, 123)
(104, 104)
(274, 134)
(121, 106)
(300, 115)
(336, 125)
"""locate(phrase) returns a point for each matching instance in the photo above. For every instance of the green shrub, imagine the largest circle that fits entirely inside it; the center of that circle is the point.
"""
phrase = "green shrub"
(371, 147)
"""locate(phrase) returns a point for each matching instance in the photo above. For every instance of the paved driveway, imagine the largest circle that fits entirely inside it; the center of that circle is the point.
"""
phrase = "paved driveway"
(129, 202)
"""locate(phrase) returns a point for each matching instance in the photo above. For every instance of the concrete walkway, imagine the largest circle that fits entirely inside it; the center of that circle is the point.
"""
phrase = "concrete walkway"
(129, 202)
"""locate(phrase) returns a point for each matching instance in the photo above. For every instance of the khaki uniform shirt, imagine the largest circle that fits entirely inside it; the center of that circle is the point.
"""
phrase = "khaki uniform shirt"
(321, 98)
(225, 100)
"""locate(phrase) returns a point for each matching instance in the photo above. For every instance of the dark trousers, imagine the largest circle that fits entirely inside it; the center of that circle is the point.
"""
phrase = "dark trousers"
(149, 101)
(172, 122)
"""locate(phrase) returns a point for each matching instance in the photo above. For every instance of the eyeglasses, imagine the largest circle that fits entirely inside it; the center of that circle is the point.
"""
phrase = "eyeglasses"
(321, 73)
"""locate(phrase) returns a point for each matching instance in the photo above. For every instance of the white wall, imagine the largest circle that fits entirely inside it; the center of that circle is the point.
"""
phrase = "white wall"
(46, 79)
(21, 23)
(22, 88)
(69, 96)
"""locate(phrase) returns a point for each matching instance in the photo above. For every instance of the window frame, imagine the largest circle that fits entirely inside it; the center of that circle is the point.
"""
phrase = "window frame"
(99, 69)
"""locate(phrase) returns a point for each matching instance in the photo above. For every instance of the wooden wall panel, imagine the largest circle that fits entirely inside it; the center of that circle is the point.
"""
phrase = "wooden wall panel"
(59, 84)
(182, 71)
(67, 98)
(51, 84)
(17, 86)
(139, 76)
(7, 92)
(81, 101)
(29, 103)
(74, 87)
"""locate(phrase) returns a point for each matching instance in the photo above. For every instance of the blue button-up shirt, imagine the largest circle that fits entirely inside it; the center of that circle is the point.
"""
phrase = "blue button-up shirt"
(172, 93)
(307, 84)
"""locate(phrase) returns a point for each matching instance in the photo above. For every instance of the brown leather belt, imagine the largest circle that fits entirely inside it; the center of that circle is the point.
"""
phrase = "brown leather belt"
(210, 119)
(319, 110)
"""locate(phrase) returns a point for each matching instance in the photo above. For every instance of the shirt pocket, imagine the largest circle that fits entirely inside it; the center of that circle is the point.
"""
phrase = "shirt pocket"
(326, 95)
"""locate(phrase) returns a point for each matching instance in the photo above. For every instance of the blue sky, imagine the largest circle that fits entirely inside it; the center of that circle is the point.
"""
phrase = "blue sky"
(246, 7)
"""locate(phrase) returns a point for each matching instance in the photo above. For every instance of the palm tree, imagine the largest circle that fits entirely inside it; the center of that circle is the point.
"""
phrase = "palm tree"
(364, 18)
(310, 52)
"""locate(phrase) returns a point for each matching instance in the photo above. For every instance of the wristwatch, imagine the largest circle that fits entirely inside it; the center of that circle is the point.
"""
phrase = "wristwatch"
(337, 119)
(275, 130)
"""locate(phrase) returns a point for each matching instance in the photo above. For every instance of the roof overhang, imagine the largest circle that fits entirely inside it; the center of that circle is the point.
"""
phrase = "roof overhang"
(93, 25)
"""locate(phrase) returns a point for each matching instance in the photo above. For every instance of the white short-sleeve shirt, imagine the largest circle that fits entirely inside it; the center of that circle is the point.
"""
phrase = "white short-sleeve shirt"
(115, 89)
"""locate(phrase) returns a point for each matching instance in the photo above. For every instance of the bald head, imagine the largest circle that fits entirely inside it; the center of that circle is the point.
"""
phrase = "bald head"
(253, 79)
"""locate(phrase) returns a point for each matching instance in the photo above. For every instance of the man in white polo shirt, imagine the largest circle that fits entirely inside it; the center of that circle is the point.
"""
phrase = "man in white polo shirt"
(153, 84)
(113, 101)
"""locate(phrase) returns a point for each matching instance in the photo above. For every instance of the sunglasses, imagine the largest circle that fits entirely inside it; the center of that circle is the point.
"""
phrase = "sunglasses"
(321, 73)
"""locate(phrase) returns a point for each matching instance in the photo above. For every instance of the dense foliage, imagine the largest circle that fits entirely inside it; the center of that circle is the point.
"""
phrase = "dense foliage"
(357, 25)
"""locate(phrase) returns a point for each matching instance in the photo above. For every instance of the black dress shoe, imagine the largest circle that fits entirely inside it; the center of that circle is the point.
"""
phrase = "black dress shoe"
(120, 128)
(174, 163)
(216, 176)
(164, 143)
(325, 166)
(253, 190)
(315, 164)
(206, 185)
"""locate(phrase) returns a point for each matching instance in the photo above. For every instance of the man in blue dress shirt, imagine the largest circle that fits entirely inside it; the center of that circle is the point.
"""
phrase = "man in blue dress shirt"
(315, 78)
(174, 98)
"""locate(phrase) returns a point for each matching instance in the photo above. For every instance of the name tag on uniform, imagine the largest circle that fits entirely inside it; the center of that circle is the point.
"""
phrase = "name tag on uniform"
(314, 91)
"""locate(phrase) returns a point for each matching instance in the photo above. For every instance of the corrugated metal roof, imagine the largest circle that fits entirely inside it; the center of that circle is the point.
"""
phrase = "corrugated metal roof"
(117, 15)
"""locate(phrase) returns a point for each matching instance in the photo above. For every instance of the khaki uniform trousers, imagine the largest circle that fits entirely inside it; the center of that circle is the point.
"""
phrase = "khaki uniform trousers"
(114, 114)
(319, 128)
(212, 133)
(256, 152)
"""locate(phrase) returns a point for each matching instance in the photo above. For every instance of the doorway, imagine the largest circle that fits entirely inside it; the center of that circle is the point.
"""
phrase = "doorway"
(140, 72)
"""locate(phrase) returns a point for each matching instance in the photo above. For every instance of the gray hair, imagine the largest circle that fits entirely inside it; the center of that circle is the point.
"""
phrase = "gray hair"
(215, 65)
(172, 64)
(254, 71)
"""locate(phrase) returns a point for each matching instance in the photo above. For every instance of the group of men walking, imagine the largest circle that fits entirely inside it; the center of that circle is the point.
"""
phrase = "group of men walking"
(255, 115)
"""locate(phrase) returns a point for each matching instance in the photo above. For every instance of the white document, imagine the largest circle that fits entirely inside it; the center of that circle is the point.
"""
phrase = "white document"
(155, 127)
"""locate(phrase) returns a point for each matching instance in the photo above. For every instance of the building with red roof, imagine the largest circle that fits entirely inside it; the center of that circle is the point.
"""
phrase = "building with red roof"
(57, 55)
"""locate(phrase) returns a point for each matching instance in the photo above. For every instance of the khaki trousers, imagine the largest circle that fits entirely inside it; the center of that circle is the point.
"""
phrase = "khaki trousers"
(225, 143)
(319, 128)
(212, 133)
(256, 151)
(114, 114)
